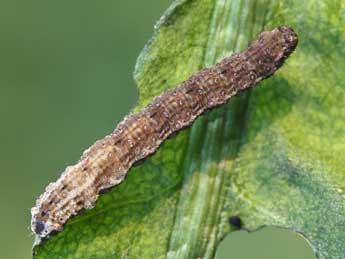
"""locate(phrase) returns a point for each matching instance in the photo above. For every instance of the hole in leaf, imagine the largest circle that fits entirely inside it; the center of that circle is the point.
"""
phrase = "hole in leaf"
(267, 243)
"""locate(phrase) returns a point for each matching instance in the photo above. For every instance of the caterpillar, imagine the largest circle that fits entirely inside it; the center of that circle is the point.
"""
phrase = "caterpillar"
(106, 163)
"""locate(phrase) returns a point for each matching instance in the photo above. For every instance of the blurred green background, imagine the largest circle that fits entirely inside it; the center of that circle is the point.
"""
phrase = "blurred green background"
(66, 80)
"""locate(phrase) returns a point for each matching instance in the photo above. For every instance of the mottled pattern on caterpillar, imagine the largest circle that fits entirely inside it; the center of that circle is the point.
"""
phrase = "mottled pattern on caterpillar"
(106, 163)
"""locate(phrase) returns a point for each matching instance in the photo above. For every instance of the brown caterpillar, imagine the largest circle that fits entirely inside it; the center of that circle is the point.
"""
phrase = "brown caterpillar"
(106, 163)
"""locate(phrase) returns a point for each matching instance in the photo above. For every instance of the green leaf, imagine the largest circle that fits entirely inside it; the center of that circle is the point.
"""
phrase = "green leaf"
(273, 156)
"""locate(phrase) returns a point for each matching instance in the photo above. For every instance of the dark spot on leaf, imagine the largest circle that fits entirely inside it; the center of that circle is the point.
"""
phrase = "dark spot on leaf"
(236, 222)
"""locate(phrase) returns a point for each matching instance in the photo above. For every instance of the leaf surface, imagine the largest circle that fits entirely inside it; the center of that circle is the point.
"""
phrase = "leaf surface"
(273, 155)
